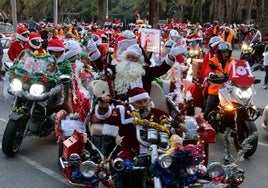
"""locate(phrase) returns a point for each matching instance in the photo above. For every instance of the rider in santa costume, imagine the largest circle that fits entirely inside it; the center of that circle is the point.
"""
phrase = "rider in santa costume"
(22, 37)
(132, 71)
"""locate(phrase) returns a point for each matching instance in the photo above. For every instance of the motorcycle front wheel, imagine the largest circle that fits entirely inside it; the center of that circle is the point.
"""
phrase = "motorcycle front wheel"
(12, 138)
(245, 129)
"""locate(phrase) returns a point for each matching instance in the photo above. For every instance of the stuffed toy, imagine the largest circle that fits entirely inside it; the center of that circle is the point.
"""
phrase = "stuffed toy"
(103, 136)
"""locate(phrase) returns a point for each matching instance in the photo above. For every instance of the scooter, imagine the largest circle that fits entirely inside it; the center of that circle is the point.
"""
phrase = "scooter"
(236, 112)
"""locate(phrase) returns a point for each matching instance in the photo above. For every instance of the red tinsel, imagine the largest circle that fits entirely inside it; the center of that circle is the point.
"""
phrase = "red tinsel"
(58, 131)
(44, 79)
(80, 104)
(26, 77)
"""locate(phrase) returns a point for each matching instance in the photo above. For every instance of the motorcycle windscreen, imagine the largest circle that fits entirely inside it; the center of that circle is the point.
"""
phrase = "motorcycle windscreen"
(240, 74)
(42, 64)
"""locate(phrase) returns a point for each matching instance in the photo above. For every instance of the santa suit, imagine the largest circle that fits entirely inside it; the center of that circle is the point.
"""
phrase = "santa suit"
(151, 73)
(121, 117)
(14, 50)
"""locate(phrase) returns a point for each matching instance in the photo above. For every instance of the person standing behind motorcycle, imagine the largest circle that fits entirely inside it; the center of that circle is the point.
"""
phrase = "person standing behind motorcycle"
(22, 37)
(223, 60)
(81, 77)
(265, 63)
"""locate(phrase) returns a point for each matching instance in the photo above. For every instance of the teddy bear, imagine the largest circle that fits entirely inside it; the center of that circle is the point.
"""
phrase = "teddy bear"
(103, 136)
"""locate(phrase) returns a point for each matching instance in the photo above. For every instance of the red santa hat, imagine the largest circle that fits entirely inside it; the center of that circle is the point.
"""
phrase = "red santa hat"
(34, 36)
(35, 40)
(55, 45)
(22, 30)
(136, 94)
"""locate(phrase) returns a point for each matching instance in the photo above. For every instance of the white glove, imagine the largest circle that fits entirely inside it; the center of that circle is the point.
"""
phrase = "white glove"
(91, 46)
(177, 50)
(94, 53)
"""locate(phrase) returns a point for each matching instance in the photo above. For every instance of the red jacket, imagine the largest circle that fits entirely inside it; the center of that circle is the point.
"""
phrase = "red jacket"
(14, 50)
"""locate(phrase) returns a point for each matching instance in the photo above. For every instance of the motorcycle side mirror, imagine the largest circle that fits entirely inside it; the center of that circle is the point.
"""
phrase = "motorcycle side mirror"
(213, 66)
(64, 78)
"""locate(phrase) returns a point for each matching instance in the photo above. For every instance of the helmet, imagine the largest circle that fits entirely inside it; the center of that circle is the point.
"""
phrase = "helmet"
(72, 48)
(173, 33)
(214, 41)
(23, 34)
(35, 40)
(224, 46)
(56, 47)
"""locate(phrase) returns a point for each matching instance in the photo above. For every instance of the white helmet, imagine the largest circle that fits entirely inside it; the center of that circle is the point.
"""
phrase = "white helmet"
(174, 35)
(214, 41)
(72, 48)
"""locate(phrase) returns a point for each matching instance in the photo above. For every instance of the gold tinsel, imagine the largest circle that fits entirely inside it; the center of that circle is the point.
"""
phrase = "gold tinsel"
(139, 121)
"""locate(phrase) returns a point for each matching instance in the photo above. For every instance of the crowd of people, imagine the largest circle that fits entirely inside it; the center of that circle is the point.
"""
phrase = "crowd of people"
(129, 65)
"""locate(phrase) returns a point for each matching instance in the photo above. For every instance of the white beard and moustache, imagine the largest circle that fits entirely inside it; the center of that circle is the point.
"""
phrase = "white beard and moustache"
(128, 75)
(145, 112)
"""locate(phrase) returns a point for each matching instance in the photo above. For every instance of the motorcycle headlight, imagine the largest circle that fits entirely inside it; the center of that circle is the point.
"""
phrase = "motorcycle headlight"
(119, 164)
(244, 47)
(88, 169)
(243, 95)
(15, 85)
(215, 169)
(37, 89)
(165, 160)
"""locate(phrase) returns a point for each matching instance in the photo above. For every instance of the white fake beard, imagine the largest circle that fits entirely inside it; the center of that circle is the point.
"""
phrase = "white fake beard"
(145, 112)
(128, 75)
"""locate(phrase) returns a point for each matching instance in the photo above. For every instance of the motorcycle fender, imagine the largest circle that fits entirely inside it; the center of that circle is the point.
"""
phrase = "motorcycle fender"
(17, 116)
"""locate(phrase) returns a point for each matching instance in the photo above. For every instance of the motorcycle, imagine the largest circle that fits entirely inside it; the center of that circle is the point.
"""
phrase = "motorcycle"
(38, 88)
(162, 165)
(236, 112)
(252, 52)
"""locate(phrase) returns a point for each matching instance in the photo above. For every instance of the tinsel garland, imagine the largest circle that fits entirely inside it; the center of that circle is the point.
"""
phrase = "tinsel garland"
(177, 171)
(58, 131)
(246, 145)
(139, 121)
(81, 94)
(17, 71)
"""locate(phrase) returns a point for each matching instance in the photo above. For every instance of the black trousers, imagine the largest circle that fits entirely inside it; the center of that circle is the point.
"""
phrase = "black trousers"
(211, 104)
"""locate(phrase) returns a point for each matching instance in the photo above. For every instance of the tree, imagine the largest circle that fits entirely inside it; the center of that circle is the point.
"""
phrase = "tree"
(262, 15)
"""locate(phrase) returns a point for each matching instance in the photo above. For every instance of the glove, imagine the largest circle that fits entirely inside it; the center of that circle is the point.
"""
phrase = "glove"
(91, 46)
(177, 50)
(94, 53)
(213, 76)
